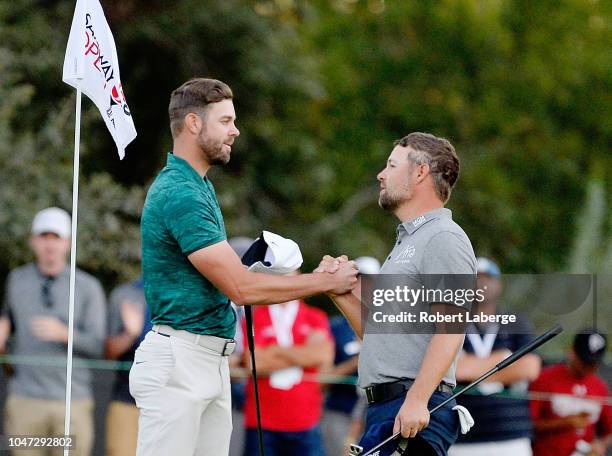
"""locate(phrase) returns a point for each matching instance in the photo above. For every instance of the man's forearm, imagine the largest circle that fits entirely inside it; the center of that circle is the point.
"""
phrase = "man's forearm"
(5, 332)
(310, 355)
(440, 354)
(117, 345)
(526, 368)
(260, 289)
(268, 360)
(350, 306)
(222, 267)
(348, 367)
(470, 367)
(552, 424)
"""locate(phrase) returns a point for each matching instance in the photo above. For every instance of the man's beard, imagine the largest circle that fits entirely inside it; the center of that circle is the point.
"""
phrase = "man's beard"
(213, 150)
(390, 201)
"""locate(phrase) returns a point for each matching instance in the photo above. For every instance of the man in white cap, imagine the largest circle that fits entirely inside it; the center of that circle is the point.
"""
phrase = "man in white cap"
(36, 314)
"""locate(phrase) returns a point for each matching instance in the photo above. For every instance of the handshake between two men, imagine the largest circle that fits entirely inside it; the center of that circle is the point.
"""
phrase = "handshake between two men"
(344, 268)
(347, 300)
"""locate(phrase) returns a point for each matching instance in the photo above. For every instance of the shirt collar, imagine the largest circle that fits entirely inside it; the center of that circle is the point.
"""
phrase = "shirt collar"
(63, 273)
(411, 226)
(184, 167)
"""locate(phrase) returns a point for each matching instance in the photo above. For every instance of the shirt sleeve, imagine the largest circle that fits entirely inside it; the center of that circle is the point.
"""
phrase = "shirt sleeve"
(6, 311)
(448, 253)
(191, 219)
(320, 322)
(89, 339)
(115, 323)
(604, 425)
(6, 300)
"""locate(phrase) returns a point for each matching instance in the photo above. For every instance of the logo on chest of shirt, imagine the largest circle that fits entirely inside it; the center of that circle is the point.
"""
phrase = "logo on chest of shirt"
(405, 255)
(579, 390)
(566, 405)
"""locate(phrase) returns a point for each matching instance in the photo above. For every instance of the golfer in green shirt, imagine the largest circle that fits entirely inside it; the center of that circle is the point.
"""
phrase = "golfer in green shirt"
(180, 377)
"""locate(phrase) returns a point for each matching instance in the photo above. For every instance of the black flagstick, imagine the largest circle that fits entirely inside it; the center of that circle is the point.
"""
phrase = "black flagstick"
(552, 332)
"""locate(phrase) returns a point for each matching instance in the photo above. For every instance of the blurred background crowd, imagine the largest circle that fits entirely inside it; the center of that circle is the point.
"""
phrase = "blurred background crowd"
(322, 88)
(307, 364)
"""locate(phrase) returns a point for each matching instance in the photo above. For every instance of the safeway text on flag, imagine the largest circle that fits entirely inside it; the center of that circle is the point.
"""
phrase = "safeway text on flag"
(91, 65)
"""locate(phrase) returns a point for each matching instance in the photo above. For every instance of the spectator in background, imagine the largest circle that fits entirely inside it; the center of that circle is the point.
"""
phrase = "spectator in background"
(573, 421)
(128, 322)
(36, 311)
(292, 340)
(341, 398)
(502, 425)
(240, 244)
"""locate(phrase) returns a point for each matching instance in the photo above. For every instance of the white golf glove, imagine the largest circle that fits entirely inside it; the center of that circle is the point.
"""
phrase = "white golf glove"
(465, 419)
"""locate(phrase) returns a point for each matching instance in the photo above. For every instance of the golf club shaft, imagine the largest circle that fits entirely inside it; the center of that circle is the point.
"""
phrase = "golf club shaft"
(535, 343)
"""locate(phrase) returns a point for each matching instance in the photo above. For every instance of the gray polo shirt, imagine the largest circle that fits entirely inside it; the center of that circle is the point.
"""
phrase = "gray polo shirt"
(24, 300)
(430, 244)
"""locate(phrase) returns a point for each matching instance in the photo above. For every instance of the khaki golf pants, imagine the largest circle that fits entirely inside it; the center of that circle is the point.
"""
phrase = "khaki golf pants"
(45, 418)
(183, 393)
(121, 429)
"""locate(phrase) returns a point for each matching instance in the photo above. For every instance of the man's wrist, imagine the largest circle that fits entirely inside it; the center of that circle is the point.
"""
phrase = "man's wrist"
(330, 283)
(417, 394)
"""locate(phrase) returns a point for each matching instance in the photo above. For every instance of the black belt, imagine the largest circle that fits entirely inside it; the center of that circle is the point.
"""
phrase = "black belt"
(384, 391)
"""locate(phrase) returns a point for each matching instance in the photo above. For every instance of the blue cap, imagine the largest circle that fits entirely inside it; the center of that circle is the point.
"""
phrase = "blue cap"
(488, 267)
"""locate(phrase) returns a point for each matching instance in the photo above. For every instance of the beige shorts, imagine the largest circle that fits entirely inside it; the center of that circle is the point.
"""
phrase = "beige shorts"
(182, 391)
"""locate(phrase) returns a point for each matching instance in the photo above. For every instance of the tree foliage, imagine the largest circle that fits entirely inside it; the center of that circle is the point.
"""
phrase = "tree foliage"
(322, 89)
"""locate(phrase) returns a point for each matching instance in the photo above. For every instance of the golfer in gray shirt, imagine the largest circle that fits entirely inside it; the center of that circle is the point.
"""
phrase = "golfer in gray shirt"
(405, 375)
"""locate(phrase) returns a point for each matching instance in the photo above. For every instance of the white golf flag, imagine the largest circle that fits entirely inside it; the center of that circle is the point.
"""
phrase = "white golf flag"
(91, 65)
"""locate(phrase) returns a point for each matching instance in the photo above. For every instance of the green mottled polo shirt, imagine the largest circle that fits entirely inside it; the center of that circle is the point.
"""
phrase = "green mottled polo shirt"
(182, 215)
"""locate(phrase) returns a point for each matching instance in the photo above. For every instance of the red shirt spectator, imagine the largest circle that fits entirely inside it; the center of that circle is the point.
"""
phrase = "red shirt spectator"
(575, 410)
(288, 402)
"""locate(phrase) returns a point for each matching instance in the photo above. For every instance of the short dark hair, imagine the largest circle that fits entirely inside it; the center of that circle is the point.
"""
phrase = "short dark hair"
(441, 157)
(194, 96)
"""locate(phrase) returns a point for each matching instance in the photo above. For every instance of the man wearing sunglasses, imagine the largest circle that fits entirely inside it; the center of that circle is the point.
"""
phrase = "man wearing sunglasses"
(35, 315)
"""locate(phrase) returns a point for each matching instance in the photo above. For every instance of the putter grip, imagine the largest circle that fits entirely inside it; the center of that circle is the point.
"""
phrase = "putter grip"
(535, 343)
